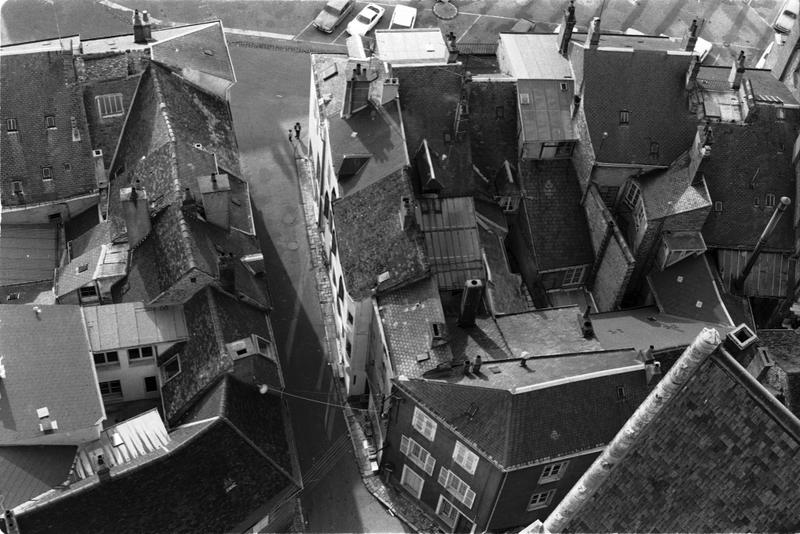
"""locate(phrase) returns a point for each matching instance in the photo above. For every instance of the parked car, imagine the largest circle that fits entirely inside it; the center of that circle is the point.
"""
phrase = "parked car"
(787, 16)
(403, 18)
(332, 14)
(366, 19)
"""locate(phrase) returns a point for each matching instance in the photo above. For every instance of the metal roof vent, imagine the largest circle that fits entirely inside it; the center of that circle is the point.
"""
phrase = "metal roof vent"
(49, 426)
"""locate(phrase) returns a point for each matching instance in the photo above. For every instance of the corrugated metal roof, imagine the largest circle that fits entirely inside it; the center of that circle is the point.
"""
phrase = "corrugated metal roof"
(545, 109)
(115, 326)
(451, 240)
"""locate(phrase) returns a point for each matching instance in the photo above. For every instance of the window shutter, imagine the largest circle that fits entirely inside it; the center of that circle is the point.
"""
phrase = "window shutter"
(404, 445)
(443, 473)
(429, 463)
(469, 498)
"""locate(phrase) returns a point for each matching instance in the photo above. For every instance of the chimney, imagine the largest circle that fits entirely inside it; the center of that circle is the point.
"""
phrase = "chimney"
(99, 169)
(476, 367)
(565, 33)
(701, 149)
(11, 522)
(593, 37)
(690, 39)
(585, 321)
(226, 272)
(452, 50)
(737, 71)
(466, 366)
(773, 222)
(103, 472)
(137, 214)
(470, 302)
(407, 216)
(146, 31)
(215, 191)
(189, 204)
(691, 73)
(138, 29)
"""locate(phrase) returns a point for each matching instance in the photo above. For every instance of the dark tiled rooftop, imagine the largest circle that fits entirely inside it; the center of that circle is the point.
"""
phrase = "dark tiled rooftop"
(203, 50)
(106, 131)
(784, 347)
(504, 289)
(672, 191)
(371, 240)
(28, 293)
(28, 253)
(493, 133)
(27, 472)
(546, 332)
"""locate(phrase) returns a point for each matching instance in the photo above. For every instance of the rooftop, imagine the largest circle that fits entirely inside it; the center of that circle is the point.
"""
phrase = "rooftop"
(371, 240)
(47, 347)
(689, 289)
(504, 289)
(545, 110)
(28, 293)
(417, 45)
(28, 253)
(29, 471)
(546, 332)
(673, 190)
(766, 87)
(534, 56)
(114, 326)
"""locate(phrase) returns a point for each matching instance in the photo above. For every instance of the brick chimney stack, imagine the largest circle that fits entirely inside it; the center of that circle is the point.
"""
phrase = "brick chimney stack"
(593, 37)
(737, 72)
(690, 39)
(138, 29)
(146, 30)
(565, 33)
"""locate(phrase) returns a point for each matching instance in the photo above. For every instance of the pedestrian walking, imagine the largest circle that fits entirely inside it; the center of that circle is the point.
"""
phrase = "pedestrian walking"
(297, 129)
(290, 135)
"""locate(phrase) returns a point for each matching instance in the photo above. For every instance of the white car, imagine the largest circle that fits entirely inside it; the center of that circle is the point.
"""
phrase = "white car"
(787, 16)
(403, 18)
(366, 19)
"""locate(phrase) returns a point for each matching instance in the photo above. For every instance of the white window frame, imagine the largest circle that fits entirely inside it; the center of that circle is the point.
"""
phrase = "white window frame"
(540, 500)
(16, 187)
(508, 204)
(465, 458)
(109, 384)
(47, 173)
(167, 377)
(573, 276)
(12, 125)
(112, 103)
(456, 487)
(449, 519)
(50, 122)
(632, 195)
(553, 472)
(769, 200)
(410, 474)
(423, 424)
(417, 454)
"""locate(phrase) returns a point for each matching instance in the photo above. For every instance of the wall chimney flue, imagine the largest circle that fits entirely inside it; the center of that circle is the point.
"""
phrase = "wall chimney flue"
(593, 37)
(567, 27)
(146, 30)
(737, 72)
(470, 302)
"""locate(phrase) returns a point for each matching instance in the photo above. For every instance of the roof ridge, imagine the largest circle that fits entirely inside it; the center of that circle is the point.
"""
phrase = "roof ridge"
(214, 313)
(508, 437)
(257, 448)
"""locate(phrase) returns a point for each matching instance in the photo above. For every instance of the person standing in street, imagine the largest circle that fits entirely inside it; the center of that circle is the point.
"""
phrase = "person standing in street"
(297, 129)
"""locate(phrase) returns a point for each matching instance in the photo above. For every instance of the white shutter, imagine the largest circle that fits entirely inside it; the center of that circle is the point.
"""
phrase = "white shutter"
(469, 498)
(429, 463)
(404, 445)
(443, 474)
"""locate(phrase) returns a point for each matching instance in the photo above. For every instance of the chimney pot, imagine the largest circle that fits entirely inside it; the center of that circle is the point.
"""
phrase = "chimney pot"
(476, 367)
(737, 72)
(593, 38)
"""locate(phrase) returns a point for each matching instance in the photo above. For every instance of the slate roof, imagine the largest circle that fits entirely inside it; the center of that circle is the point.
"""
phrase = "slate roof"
(28, 253)
(105, 132)
(758, 153)
(552, 214)
(672, 191)
(567, 417)
(653, 95)
(78, 272)
(493, 135)
(546, 332)
(34, 86)
(504, 288)
(371, 240)
(712, 440)
(763, 82)
(679, 289)
(28, 293)
(545, 114)
(429, 97)
(534, 56)
(407, 314)
(49, 350)
(784, 347)
(27, 472)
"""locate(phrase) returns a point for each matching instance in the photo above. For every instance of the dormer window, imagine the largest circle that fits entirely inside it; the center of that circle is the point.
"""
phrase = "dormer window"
(769, 200)
(50, 122)
(249, 346)
(47, 173)
(654, 149)
(172, 368)
(624, 117)
(11, 125)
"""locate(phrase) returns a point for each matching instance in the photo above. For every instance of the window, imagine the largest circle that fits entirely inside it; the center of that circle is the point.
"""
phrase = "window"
(654, 149)
(552, 472)
(109, 105)
(457, 487)
(112, 388)
(562, 149)
(412, 481)
(348, 348)
(67, 167)
(49, 121)
(508, 204)
(446, 511)
(423, 424)
(574, 275)
(103, 358)
(16, 188)
(564, 87)
(333, 242)
(718, 206)
(11, 125)
(263, 345)
(140, 353)
(756, 201)
(525, 99)
(639, 219)
(172, 368)
(47, 173)
(499, 113)
(769, 200)
(465, 458)
(349, 318)
(150, 384)
(419, 455)
(621, 396)
(632, 195)
(87, 291)
(540, 500)
(624, 117)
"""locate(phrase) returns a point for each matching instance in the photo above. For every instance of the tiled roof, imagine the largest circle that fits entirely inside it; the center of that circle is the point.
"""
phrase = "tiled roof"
(47, 360)
(748, 162)
(483, 339)
(177, 495)
(566, 417)
(371, 240)
(35, 86)
(552, 212)
(27, 472)
(105, 131)
(78, 272)
(652, 94)
(429, 97)
(504, 288)
(407, 314)
(689, 289)
(493, 124)
(710, 450)
(450, 229)
(28, 253)
(672, 191)
(28, 293)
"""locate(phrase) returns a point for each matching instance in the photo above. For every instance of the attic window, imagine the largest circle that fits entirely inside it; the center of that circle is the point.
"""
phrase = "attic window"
(621, 396)
(172, 368)
(718, 206)
(67, 167)
(49, 121)
(83, 268)
(110, 105)
(525, 99)
(11, 125)
(769, 200)
(625, 118)
(12, 296)
(654, 149)
(756, 201)
(564, 87)
(16, 187)
(47, 173)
